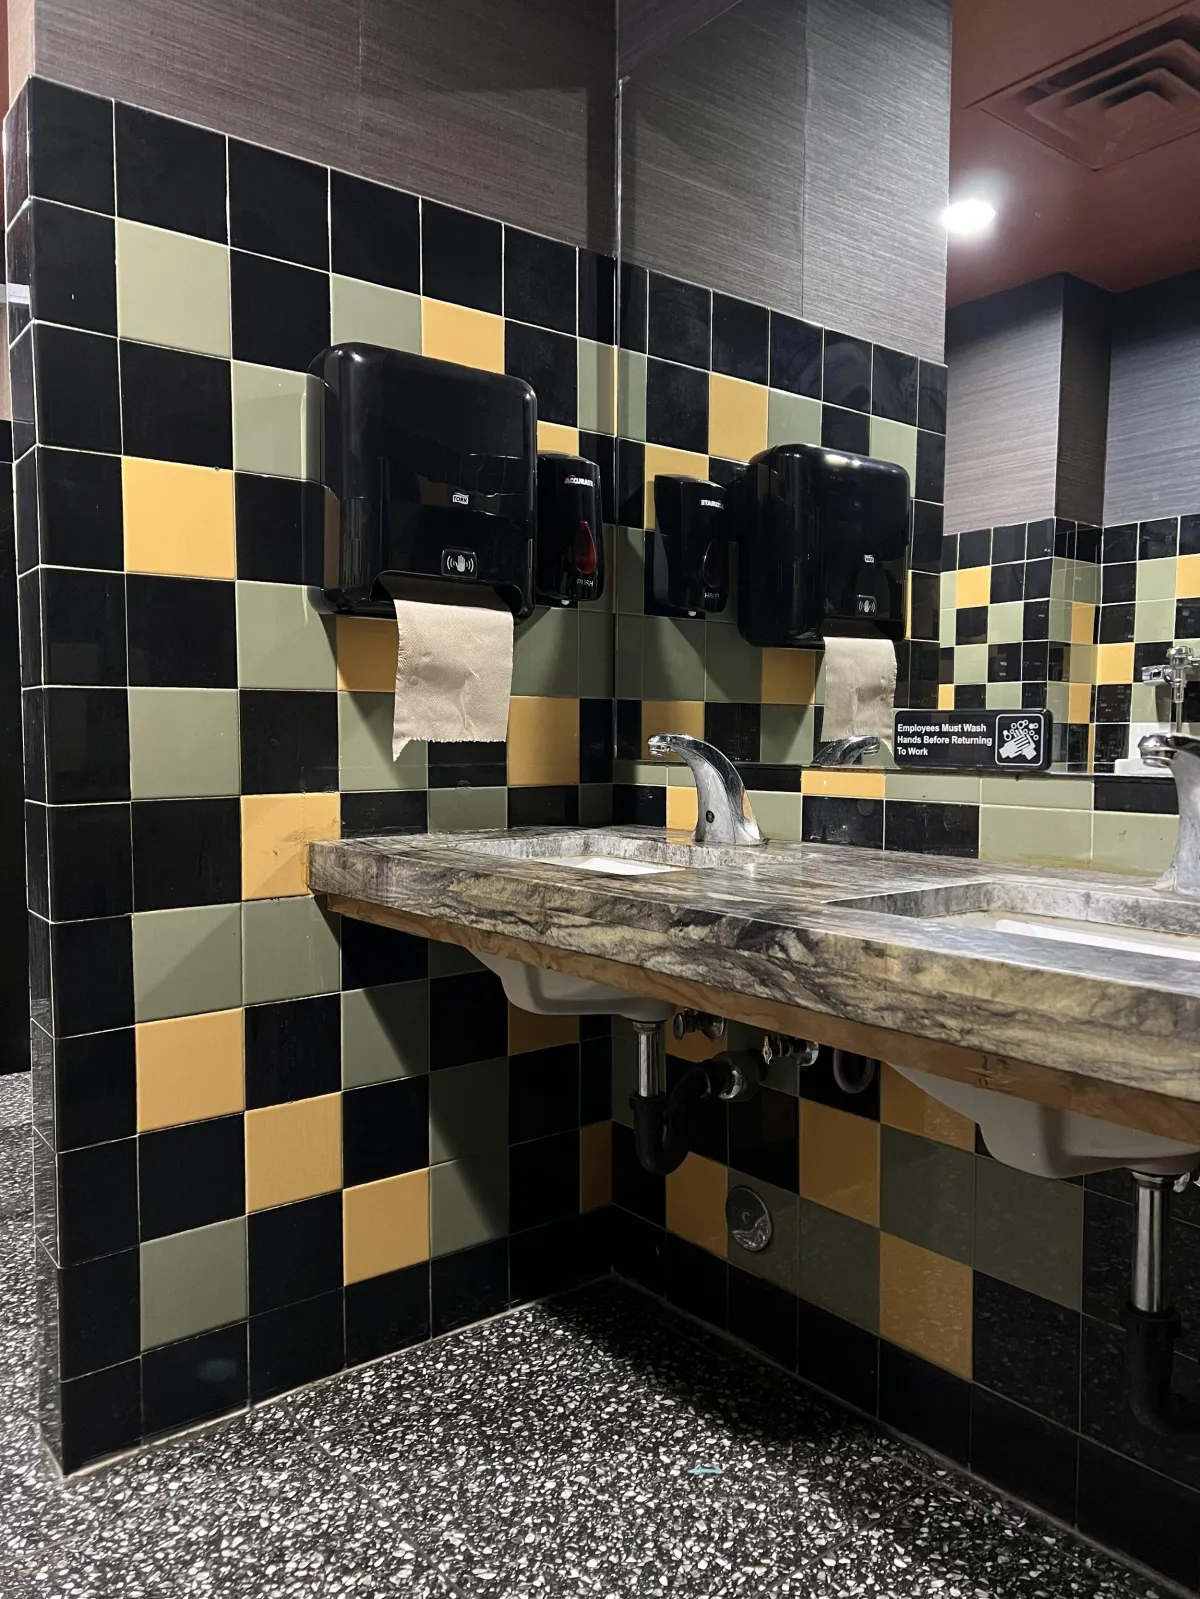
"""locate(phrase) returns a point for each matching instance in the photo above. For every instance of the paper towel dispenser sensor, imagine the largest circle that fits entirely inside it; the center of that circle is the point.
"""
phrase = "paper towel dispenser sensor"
(823, 545)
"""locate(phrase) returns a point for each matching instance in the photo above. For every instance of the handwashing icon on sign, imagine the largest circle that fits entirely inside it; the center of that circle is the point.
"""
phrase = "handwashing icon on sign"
(1018, 740)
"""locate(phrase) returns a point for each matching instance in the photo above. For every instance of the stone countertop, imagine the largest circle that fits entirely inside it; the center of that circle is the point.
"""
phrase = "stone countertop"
(788, 923)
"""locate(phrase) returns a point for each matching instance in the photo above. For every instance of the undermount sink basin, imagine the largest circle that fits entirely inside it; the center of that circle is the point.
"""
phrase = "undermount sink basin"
(612, 853)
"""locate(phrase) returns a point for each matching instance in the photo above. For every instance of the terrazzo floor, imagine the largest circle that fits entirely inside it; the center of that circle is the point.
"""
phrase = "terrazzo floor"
(591, 1446)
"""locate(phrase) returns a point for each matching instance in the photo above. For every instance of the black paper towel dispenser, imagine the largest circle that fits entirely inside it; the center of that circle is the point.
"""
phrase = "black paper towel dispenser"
(429, 471)
(570, 537)
(688, 555)
(823, 545)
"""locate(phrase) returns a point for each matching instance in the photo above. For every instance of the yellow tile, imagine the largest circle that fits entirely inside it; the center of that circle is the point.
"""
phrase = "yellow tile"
(366, 654)
(557, 439)
(696, 1203)
(1187, 577)
(595, 1166)
(839, 1161)
(189, 1068)
(178, 519)
(925, 1303)
(385, 1225)
(682, 809)
(276, 829)
(671, 716)
(1083, 619)
(902, 1104)
(672, 463)
(293, 1151)
(737, 418)
(789, 677)
(1114, 663)
(528, 1031)
(974, 586)
(945, 696)
(543, 741)
(1079, 702)
(1091, 749)
(850, 784)
(456, 333)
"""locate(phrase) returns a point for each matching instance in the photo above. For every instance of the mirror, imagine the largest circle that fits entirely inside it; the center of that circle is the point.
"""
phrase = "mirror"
(790, 272)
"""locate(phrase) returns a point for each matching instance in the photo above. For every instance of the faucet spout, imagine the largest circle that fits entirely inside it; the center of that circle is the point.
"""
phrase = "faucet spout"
(1180, 754)
(845, 751)
(723, 814)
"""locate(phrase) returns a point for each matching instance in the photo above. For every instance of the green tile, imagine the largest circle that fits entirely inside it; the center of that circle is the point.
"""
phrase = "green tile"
(183, 743)
(1153, 619)
(778, 815)
(595, 655)
(839, 1265)
(947, 590)
(951, 788)
(1060, 619)
(779, 1262)
(647, 774)
(1060, 585)
(597, 405)
(926, 1193)
(595, 804)
(468, 1110)
(1051, 837)
(970, 663)
(792, 418)
(1129, 841)
(1035, 792)
(365, 746)
(627, 669)
(283, 641)
(193, 1281)
(1155, 580)
(187, 961)
(1056, 700)
(787, 734)
(1003, 697)
(1029, 1232)
(272, 420)
(451, 960)
(172, 289)
(289, 949)
(385, 1033)
(631, 394)
(732, 668)
(1006, 622)
(467, 810)
(896, 442)
(630, 546)
(1150, 704)
(672, 659)
(946, 627)
(374, 315)
(468, 1202)
(546, 654)
(1085, 583)
(624, 1070)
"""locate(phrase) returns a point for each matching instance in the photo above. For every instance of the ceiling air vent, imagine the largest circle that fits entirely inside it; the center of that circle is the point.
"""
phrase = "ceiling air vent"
(1131, 94)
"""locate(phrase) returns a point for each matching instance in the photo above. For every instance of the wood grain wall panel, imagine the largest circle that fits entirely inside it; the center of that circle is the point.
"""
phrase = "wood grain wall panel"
(1003, 356)
(1083, 402)
(1154, 402)
(648, 27)
(877, 170)
(713, 155)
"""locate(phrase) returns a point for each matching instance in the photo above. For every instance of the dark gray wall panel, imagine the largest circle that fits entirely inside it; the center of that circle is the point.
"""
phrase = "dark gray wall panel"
(646, 27)
(877, 169)
(1083, 402)
(1154, 402)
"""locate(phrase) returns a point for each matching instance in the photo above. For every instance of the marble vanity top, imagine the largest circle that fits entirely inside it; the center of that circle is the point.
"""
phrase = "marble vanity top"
(828, 928)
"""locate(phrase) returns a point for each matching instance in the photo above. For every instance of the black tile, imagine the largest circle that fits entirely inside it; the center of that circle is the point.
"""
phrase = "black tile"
(468, 1019)
(296, 1345)
(95, 1089)
(1151, 653)
(1106, 1416)
(372, 955)
(1008, 582)
(170, 174)
(194, 1380)
(101, 1414)
(924, 605)
(35, 716)
(1158, 538)
(468, 765)
(1008, 543)
(376, 233)
(462, 257)
(629, 730)
(848, 376)
(764, 1139)
(829, 820)
(817, 1082)
(468, 1286)
(78, 400)
(1139, 1512)
(795, 356)
(927, 541)
(839, 1357)
(1027, 1349)
(595, 1081)
(975, 548)
(92, 964)
(931, 400)
(543, 1092)
(386, 811)
(88, 861)
(597, 298)
(1111, 745)
(97, 1201)
(845, 430)
(1120, 543)
(676, 406)
(289, 741)
(16, 152)
(294, 1252)
(970, 624)
(543, 1180)
(18, 256)
(387, 1313)
(1035, 623)
(175, 406)
(634, 1188)
(25, 509)
(696, 1281)
(1189, 535)
(293, 1050)
(680, 321)
(539, 280)
(631, 483)
(1064, 538)
(931, 1405)
(550, 806)
(1154, 794)
(595, 741)
(557, 1256)
(764, 1316)
(548, 362)
(931, 466)
(20, 366)
(275, 537)
(970, 697)
(83, 627)
(99, 1307)
(932, 827)
(79, 509)
(280, 312)
(1118, 581)
(278, 205)
(638, 1250)
(1035, 660)
(1024, 1454)
(385, 1130)
(709, 1126)
(1004, 663)
(1087, 544)
(602, 449)
(70, 146)
(741, 339)
(642, 805)
(1117, 622)
(894, 386)
(186, 852)
(72, 268)
(190, 1176)
(735, 729)
(182, 633)
(1187, 619)
(632, 307)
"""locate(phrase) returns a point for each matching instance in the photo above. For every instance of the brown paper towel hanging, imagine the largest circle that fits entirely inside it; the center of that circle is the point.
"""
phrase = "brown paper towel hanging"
(454, 661)
(860, 688)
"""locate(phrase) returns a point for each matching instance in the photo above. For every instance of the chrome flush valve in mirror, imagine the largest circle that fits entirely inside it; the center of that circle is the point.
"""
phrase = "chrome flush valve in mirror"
(723, 814)
(1180, 753)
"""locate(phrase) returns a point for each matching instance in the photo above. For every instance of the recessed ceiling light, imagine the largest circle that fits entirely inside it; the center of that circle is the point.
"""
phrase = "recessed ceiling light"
(965, 218)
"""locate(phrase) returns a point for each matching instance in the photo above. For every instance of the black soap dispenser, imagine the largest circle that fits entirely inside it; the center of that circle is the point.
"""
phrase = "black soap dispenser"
(570, 537)
(689, 556)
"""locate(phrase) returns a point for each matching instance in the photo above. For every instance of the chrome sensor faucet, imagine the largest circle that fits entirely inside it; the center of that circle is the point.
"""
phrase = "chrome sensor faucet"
(1180, 754)
(723, 814)
(845, 751)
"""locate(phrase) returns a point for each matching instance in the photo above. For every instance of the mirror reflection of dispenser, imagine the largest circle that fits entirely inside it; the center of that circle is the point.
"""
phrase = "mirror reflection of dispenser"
(570, 536)
(689, 556)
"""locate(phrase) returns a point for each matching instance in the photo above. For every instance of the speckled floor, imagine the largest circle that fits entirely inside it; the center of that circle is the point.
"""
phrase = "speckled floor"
(565, 1450)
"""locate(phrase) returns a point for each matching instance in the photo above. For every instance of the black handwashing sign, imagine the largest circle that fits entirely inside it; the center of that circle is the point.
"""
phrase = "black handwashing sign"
(999, 741)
